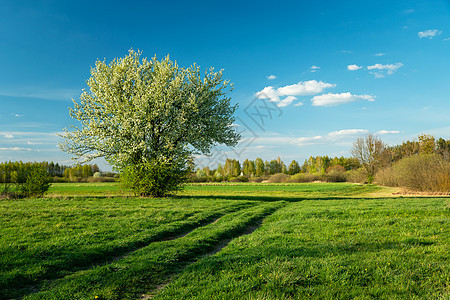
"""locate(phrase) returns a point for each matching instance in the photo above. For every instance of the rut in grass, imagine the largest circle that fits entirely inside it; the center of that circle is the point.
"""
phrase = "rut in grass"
(220, 245)
(143, 270)
(174, 231)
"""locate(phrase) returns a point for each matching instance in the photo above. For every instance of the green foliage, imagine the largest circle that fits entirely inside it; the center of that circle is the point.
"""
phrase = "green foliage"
(81, 172)
(155, 179)
(37, 181)
(24, 179)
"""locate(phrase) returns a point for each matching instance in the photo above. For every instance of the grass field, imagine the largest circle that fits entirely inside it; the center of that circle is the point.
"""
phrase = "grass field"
(252, 241)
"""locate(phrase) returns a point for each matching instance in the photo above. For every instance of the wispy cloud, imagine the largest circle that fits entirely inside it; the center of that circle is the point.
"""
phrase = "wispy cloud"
(32, 138)
(380, 54)
(14, 149)
(409, 11)
(285, 95)
(381, 132)
(429, 34)
(39, 93)
(331, 137)
(313, 68)
(353, 67)
(380, 70)
(16, 115)
(271, 77)
(336, 99)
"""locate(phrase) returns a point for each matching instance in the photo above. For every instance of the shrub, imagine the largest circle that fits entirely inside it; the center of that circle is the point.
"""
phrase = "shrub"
(336, 174)
(155, 179)
(278, 178)
(358, 176)
(37, 181)
(424, 172)
(386, 177)
(304, 177)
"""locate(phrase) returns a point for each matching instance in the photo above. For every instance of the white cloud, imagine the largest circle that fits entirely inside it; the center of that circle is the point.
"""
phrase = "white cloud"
(336, 99)
(34, 143)
(314, 68)
(16, 115)
(447, 39)
(353, 67)
(348, 132)
(388, 132)
(380, 54)
(299, 104)
(15, 149)
(8, 136)
(431, 33)
(268, 93)
(286, 101)
(33, 137)
(309, 140)
(271, 77)
(332, 137)
(304, 88)
(381, 70)
(286, 95)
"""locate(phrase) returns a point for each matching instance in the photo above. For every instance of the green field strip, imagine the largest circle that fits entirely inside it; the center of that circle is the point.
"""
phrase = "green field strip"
(23, 271)
(354, 249)
(141, 271)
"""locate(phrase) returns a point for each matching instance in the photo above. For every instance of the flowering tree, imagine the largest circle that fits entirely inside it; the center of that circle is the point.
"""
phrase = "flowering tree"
(149, 116)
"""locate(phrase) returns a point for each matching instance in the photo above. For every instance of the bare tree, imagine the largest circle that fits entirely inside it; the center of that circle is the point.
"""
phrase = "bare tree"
(371, 153)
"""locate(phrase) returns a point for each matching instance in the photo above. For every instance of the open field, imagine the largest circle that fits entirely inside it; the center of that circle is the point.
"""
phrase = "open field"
(257, 241)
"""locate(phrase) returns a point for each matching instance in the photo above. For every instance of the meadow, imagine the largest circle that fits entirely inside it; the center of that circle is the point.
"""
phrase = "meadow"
(225, 241)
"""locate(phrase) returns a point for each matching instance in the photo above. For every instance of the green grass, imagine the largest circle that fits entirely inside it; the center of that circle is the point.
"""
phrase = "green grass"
(334, 249)
(43, 239)
(101, 189)
(317, 240)
(255, 191)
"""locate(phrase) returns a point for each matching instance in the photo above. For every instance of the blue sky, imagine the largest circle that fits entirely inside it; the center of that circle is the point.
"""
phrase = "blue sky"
(309, 76)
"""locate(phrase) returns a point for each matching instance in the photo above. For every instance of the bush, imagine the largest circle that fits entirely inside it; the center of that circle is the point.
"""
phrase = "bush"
(304, 177)
(357, 176)
(37, 181)
(386, 177)
(155, 179)
(278, 178)
(238, 179)
(336, 174)
(101, 179)
(424, 172)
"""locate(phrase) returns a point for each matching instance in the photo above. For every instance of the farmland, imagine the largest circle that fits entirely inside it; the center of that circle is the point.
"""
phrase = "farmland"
(260, 241)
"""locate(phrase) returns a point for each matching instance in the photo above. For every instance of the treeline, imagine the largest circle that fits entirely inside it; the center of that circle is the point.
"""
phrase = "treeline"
(11, 172)
(422, 164)
(260, 170)
(20, 179)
